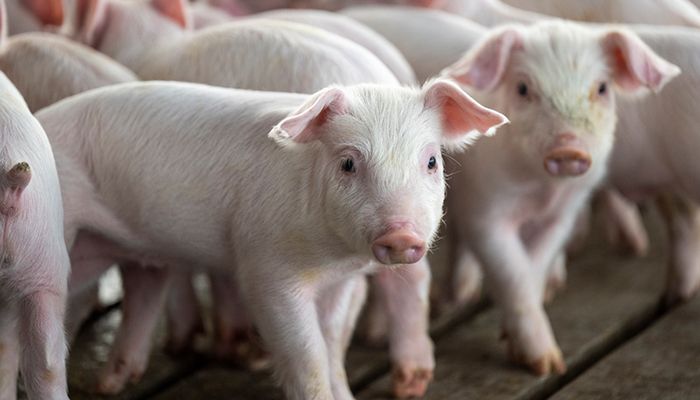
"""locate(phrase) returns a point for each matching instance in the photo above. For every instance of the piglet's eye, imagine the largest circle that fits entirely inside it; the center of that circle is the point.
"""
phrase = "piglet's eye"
(602, 88)
(348, 166)
(522, 89)
(432, 163)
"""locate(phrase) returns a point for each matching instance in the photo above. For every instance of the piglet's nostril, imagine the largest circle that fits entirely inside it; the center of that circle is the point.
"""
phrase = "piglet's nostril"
(399, 246)
(567, 161)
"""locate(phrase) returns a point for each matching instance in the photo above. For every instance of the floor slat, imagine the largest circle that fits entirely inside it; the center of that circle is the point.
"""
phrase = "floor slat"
(608, 298)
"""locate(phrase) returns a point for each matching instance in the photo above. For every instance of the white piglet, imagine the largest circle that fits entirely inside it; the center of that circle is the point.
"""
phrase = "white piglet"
(656, 154)
(35, 265)
(261, 55)
(153, 39)
(46, 68)
(347, 178)
(411, 31)
(514, 199)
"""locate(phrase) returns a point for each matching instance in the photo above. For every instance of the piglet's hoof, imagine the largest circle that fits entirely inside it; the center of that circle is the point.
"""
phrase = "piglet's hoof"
(551, 362)
(554, 286)
(682, 290)
(116, 375)
(531, 343)
(245, 349)
(411, 382)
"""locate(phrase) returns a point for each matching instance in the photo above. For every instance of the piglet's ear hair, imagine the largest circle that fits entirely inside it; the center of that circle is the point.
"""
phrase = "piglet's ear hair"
(634, 64)
(483, 67)
(303, 125)
(462, 117)
(48, 12)
(175, 10)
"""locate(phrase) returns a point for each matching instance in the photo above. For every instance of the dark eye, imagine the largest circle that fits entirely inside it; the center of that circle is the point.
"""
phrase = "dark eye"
(522, 89)
(603, 88)
(348, 166)
(432, 163)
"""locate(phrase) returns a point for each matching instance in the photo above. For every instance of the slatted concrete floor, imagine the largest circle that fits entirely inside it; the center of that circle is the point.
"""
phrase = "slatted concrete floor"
(619, 343)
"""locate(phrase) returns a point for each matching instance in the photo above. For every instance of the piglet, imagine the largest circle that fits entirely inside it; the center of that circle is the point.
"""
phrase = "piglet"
(117, 28)
(352, 30)
(308, 64)
(35, 263)
(46, 68)
(278, 208)
(514, 199)
(410, 30)
(655, 155)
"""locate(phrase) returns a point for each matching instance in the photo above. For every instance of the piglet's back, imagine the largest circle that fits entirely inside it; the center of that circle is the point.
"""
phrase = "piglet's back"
(47, 68)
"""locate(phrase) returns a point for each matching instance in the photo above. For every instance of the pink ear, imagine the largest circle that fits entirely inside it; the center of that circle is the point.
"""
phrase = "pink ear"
(90, 20)
(427, 3)
(49, 12)
(634, 64)
(176, 10)
(233, 7)
(302, 125)
(483, 67)
(461, 115)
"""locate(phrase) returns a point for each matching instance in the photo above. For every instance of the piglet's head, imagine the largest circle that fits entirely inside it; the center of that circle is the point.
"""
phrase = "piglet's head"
(557, 81)
(374, 157)
(124, 29)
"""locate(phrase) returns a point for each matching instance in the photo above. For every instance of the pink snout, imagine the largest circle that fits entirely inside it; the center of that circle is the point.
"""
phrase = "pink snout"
(398, 246)
(567, 162)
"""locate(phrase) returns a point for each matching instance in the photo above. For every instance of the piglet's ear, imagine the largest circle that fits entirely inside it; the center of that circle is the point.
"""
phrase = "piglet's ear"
(175, 10)
(303, 125)
(49, 12)
(461, 115)
(88, 20)
(634, 64)
(483, 67)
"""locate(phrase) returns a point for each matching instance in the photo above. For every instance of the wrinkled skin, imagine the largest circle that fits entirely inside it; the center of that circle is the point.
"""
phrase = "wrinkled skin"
(516, 197)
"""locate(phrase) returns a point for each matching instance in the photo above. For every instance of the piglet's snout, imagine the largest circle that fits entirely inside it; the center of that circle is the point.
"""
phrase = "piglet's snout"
(567, 157)
(400, 244)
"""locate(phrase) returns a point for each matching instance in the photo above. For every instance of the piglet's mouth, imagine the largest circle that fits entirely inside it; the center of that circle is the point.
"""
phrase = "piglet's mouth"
(399, 245)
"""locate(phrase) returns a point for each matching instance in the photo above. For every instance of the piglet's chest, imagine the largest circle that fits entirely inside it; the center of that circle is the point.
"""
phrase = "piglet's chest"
(539, 203)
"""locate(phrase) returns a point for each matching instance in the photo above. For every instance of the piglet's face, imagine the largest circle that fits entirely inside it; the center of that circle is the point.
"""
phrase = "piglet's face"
(377, 164)
(557, 81)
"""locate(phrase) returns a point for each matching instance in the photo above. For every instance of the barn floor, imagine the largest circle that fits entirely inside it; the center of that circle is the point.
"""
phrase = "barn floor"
(619, 343)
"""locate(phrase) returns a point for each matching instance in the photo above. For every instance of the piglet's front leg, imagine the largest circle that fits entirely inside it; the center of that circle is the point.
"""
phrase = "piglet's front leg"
(282, 304)
(623, 223)
(338, 307)
(683, 221)
(404, 294)
(512, 281)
